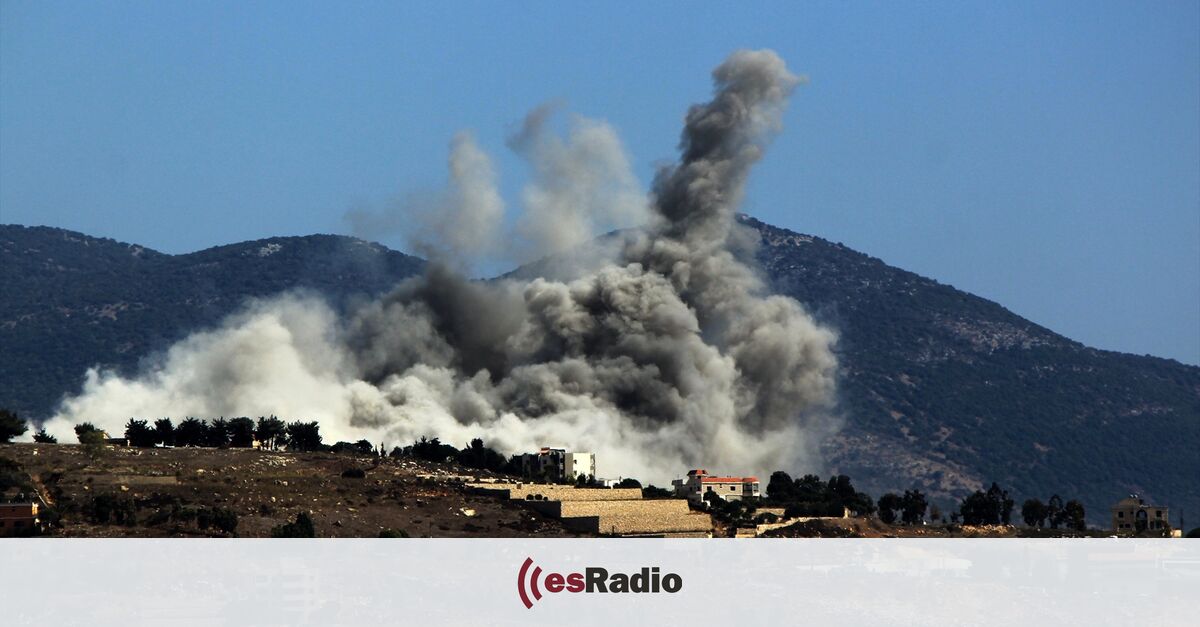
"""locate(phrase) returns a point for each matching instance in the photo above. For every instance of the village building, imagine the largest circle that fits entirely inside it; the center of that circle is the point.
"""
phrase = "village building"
(1131, 515)
(18, 518)
(556, 464)
(699, 483)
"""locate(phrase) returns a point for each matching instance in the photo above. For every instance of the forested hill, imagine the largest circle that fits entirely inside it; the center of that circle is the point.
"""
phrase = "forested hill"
(939, 388)
(71, 301)
(951, 390)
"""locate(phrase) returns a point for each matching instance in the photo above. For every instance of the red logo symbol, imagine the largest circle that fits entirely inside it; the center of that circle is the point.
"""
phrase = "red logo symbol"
(533, 583)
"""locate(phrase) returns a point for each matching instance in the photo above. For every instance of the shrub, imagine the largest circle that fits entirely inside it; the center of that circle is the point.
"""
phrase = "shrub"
(393, 533)
(653, 492)
(225, 520)
(106, 508)
(302, 528)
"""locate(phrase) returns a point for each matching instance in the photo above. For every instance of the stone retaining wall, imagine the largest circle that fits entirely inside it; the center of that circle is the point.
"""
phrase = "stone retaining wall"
(520, 491)
(642, 524)
(575, 509)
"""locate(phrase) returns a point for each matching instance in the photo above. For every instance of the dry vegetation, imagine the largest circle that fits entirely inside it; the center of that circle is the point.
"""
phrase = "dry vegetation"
(266, 489)
(874, 528)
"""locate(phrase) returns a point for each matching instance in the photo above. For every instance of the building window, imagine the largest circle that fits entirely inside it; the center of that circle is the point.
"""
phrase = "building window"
(1120, 514)
(1158, 513)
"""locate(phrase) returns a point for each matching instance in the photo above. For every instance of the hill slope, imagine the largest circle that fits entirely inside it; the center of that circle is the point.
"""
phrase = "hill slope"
(950, 390)
(72, 301)
(939, 388)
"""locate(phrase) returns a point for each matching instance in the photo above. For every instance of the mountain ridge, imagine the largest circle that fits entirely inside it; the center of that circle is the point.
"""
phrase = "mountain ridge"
(938, 388)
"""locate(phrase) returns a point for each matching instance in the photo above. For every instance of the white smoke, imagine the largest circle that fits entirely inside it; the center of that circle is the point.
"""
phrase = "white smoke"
(581, 186)
(669, 355)
(459, 223)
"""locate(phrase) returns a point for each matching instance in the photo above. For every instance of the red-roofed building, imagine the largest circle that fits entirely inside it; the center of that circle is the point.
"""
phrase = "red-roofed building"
(699, 483)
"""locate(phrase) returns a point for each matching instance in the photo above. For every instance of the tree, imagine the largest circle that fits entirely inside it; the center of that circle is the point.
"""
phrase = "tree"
(92, 442)
(993, 507)
(241, 432)
(476, 455)
(139, 433)
(304, 436)
(811, 488)
(935, 513)
(975, 510)
(41, 437)
(842, 494)
(302, 528)
(164, 431)
(781, 488)
(433, 450)
(83, 428)
(191, 432)
(999, 504)
(11, 426)
(1054, 511)
(272, 432)
(218, 433)
(653, 492)
(629, 482)
(1074, 515)
(888, 504)
(913, 505)
(1033, 512)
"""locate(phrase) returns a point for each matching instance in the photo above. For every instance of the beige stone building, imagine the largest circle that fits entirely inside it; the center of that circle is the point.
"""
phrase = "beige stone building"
(1131, 514)
(699, 483)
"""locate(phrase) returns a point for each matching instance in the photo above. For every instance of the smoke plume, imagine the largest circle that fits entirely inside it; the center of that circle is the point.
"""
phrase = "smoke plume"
(668, 355)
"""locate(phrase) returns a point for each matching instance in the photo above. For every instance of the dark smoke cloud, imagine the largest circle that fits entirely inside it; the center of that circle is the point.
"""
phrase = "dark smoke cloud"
(667, 355)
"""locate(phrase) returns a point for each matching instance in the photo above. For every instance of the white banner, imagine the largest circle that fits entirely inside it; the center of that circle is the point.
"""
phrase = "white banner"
(581, 582)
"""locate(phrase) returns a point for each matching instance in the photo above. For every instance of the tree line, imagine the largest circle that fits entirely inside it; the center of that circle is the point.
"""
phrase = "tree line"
(241, 432)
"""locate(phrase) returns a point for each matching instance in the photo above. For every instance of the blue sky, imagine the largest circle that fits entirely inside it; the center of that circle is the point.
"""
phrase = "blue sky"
(1043, 155)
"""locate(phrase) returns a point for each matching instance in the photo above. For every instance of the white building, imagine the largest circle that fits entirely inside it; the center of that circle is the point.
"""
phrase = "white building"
(580, 464)
(556, 463)
(699, 483)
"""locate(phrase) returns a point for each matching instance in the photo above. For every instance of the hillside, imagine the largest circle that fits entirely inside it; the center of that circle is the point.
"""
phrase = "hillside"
(939, 388)
(163, 489)
(951, 390)
(72, 301)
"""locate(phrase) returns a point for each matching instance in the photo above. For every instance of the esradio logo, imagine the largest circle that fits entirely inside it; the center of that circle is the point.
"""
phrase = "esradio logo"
(531, 582)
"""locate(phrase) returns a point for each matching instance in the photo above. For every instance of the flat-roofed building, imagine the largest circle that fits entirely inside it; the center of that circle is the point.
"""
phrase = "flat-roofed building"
(555, 464)
(580, 464)
(18, 518)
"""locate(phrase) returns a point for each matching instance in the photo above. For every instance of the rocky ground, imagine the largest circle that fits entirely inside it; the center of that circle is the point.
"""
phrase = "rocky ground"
(873, 528)
(264, 489)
